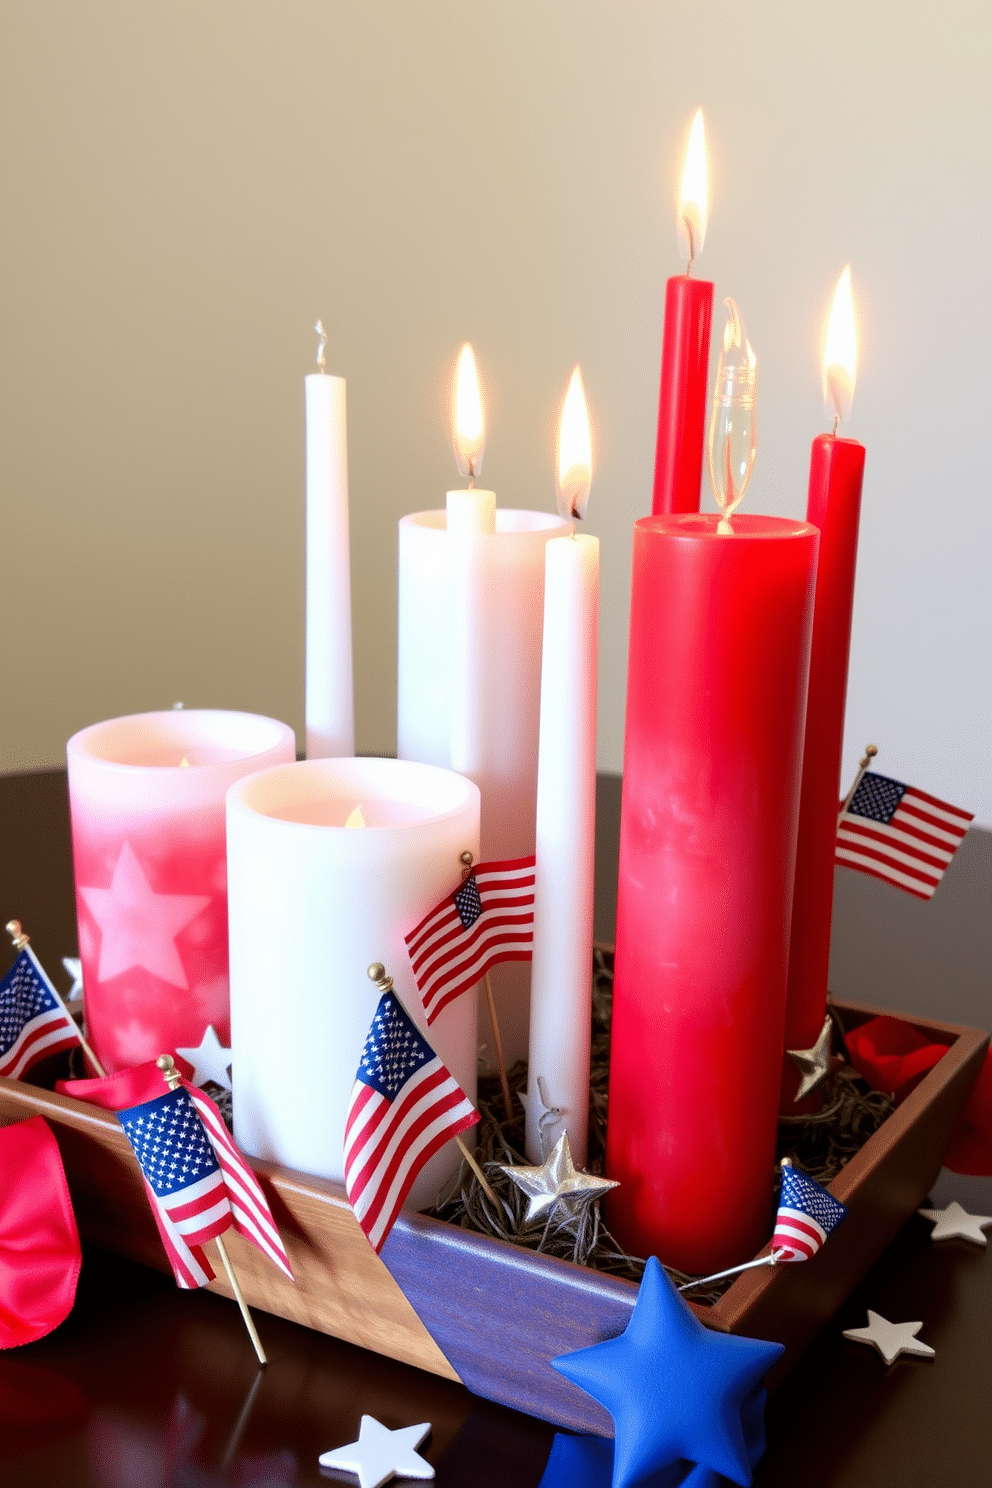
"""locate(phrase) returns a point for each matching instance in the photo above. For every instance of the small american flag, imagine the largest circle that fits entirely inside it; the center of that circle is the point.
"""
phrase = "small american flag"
(899, 834)
(34, 1022)
(404, 1107)
(806, 1215)
(182, 1178)
(197, 1182)
(489, 918)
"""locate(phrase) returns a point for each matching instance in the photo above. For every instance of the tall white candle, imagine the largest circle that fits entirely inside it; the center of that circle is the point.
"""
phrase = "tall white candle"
(313, 902)
(506, 621)
(561, 977)
(330, 708)
(471, 594)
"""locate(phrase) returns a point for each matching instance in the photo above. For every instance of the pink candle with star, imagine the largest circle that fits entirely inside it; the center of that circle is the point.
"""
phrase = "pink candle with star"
(147, 798)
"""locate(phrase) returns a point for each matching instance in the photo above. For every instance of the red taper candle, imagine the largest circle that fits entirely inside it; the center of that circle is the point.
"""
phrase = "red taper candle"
(685, 350)
(834, 505)
(716, 701)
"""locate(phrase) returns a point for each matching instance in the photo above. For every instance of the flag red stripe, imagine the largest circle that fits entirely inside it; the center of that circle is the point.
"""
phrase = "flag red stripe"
(436, 1143)
(451, 923)
(37, 1040)
(917, 846)
(454, 960)
(251, 1214)
(875, 845)
(387, 1122)
(885, 877)
(517, 914)
(403, 1155)
(907, 815)
(919, 795)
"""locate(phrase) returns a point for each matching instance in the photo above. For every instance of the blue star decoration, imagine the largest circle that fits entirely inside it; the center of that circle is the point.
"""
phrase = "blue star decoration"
(678, 1392)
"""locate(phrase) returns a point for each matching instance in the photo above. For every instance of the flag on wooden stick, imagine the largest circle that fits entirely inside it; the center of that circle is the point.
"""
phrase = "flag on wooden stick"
(901, 835)
(197, 1181)
(488, 918)
(34, 1022)
(404, 1106)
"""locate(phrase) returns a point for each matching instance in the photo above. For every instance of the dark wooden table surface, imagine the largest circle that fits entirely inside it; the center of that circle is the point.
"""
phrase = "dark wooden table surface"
(149, 1386)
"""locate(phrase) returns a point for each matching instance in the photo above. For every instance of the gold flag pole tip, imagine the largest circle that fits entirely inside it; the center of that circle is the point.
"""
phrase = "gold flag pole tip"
(167, 1065)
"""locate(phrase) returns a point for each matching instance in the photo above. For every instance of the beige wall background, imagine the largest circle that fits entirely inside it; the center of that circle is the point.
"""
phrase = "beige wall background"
(185, 188)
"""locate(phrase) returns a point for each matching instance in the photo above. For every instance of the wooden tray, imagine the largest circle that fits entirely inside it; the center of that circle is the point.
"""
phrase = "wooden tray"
(491, 1314)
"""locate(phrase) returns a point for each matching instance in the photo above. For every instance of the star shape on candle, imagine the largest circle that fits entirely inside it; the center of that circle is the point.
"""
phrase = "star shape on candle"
(676, 1390)
(813, 1064)
(139, 926)
(380, 1454)
(74, 967)
(890, 1339)
(555, 1181)
(955, 1223)
(210, 1060)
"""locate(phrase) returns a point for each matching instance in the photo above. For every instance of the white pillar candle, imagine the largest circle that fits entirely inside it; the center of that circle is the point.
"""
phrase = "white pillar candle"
(503, 610)
(330, 707)
(147, 801)
(313, 903)
(560, 1012)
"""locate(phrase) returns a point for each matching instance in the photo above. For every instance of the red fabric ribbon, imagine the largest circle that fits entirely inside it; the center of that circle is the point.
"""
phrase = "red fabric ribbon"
(39, 1243)
(894, 1056)
(129, 1087)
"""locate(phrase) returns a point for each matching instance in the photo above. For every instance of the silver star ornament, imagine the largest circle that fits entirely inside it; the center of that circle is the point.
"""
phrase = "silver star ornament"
(380, 1454)
(210, 1061)
(890, 1339)
(955, 1223)
(556, 1181)
(813, 1064)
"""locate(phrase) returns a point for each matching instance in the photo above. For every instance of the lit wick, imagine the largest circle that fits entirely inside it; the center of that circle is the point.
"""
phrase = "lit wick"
(574, 470)
(467, 422)
(840, 353)
(693, 194)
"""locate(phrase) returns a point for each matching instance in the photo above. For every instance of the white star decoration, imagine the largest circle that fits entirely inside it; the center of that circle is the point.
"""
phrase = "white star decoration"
(556, 1181)
(74, 967)
(139, 926)
(380, 1454)
(210, 1060)
(955, 1223)
(813, 1064)
(890, 1339)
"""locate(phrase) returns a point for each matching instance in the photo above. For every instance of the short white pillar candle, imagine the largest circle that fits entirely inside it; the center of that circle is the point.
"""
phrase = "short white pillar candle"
(313, 903)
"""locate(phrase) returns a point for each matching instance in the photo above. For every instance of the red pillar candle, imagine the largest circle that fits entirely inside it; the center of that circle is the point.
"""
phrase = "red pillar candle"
(685, 350)
(834, 504)
(719, 655)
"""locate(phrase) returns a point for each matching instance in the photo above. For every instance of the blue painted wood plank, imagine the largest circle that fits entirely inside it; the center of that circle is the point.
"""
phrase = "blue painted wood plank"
(500, 1313)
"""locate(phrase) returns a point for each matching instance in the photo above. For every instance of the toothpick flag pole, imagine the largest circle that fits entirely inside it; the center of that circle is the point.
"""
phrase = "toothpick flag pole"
(172, 1078)
(21, 940)
(870, 752)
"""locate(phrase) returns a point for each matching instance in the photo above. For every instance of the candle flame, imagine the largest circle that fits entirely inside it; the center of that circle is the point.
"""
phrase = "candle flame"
(467, 421)
(355, 818)
(574, 452)
(840, 351)
(694, 193)
(184, 762)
